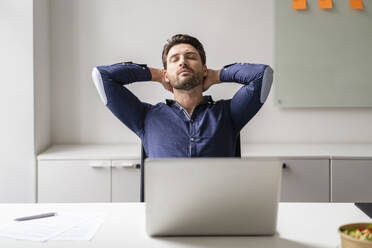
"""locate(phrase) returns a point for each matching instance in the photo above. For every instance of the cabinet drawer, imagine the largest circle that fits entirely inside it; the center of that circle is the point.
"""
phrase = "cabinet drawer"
(351, 180)
(305, 180)
(125, 180)
(74, 181)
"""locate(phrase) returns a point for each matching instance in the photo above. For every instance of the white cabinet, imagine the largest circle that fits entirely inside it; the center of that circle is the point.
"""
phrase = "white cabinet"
(305, 180)
(104, 173)
(88, 181)
(74, 181)
(321, 172)
(351, 180)
(84, 173)
(125, 181)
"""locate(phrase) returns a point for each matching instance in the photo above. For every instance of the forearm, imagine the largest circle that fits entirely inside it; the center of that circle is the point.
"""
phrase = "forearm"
(124, 73)
(258, 76)
(246, 102)
(243, 73)
(156, 74)
(216, 76)
(109, 81)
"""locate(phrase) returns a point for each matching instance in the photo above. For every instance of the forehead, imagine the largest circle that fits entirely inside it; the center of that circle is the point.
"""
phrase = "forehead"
(181, 49)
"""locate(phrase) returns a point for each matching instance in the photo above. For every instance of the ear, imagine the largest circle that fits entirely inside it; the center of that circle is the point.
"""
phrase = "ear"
(205, 71)
(165, 75)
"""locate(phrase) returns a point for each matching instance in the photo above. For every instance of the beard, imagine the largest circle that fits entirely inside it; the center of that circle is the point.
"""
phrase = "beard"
(187, 82)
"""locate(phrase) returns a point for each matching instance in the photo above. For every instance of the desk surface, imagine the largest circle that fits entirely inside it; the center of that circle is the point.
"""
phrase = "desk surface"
(300, 225)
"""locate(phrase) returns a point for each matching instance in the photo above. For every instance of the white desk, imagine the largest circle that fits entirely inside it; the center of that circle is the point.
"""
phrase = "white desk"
(299, 225)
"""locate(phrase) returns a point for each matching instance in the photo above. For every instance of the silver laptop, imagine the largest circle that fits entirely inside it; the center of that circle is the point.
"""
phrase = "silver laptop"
(212, 196)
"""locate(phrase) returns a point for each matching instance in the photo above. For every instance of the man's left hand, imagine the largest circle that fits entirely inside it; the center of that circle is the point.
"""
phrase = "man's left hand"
(213, 77)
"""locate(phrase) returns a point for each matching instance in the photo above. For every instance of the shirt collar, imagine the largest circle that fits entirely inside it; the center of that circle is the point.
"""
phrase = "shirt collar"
(206, 100)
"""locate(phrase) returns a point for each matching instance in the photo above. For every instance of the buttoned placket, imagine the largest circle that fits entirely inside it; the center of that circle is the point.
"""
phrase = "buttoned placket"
(192, 125)
(192, 138)
(191, 129)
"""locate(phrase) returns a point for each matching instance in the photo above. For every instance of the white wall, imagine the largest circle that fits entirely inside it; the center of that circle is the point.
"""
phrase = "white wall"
(85, 33)
(17, 166)
(42, 76)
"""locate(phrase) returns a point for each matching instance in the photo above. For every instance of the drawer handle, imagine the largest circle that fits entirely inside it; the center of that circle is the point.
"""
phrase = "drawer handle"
(284, 165)
(98, 165)
(126, 165)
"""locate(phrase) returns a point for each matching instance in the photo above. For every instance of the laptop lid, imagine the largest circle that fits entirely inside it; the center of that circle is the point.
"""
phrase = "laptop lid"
(212, 196)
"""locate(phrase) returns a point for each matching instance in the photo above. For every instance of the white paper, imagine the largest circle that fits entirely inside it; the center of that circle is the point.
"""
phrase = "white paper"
(83, 231)
(46, 228)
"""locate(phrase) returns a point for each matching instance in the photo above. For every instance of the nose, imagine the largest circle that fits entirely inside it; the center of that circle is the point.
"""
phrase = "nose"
(182, 61)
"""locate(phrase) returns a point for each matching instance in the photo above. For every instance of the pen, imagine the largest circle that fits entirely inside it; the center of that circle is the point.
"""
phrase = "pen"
(32, 217)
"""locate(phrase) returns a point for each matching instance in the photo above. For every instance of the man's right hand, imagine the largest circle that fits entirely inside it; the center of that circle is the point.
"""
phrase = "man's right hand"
(157, 75)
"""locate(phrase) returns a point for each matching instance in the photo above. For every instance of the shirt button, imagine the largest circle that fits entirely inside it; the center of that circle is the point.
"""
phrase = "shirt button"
(192, 139)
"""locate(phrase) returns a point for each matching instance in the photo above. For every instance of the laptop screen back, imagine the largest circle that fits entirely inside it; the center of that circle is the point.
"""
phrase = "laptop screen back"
(212, 196)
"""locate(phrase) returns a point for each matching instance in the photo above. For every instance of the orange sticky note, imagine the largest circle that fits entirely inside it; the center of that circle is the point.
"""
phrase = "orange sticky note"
(325, 4)
(356, 4)
(299, 4)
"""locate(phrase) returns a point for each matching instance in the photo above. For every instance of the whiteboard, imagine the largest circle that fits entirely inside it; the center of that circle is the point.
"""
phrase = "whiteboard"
(323, 58)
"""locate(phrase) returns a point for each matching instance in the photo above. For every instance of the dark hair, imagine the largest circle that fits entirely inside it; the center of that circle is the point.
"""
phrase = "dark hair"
(183, 38)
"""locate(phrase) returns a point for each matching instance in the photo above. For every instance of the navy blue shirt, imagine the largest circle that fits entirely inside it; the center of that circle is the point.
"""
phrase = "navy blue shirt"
(166, 129)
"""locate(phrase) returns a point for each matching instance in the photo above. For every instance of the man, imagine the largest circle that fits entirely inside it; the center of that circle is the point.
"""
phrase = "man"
(191, 125)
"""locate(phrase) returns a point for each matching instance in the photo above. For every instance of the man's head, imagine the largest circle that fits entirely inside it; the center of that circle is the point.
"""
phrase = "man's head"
(184, 62)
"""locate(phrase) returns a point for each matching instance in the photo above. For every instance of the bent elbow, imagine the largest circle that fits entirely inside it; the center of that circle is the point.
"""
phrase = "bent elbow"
(267, 81)
(98, 82)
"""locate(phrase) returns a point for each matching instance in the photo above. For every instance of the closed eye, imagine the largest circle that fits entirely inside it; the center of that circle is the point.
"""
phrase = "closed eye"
(173, 59)
(188, 55)
(191, 56)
